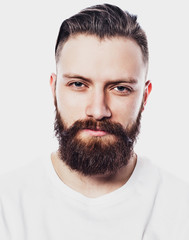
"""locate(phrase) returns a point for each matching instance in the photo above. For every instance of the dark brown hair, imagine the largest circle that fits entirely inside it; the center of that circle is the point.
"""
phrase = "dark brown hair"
(103, 21)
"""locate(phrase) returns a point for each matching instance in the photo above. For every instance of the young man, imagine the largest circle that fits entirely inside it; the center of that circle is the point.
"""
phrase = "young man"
(95, 186)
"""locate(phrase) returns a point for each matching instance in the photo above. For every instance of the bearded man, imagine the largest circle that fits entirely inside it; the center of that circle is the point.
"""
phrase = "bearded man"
(95, 186)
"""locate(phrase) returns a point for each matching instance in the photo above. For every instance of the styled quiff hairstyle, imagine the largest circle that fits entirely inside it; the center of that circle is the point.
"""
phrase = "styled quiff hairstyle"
(103, 21)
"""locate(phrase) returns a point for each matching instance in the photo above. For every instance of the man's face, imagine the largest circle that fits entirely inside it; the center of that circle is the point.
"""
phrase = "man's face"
(100, 80)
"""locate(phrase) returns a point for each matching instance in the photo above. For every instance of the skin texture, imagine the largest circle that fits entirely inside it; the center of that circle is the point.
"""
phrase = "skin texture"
(99, 79)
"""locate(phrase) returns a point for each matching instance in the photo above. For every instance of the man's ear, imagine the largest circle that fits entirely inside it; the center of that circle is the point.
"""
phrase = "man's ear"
(147, 91)
(53, 83)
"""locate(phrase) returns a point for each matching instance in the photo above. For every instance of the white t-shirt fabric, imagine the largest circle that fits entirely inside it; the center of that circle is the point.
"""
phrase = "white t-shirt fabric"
(36, 205)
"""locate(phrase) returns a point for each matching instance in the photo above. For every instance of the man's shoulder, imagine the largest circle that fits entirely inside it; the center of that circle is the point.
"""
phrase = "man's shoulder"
(175, 191)
(170, 192)
(24, 177)
(165, 177)
(170, 200)
(166, 183)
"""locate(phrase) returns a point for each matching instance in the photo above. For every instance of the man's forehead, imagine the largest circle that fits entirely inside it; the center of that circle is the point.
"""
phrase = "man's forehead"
(113, 58)
(84, 41)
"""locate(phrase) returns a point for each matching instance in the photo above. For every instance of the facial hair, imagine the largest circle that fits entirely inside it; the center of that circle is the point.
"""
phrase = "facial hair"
(95, 155)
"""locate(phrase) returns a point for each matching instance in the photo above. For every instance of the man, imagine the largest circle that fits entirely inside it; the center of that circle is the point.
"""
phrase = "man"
(95, 186)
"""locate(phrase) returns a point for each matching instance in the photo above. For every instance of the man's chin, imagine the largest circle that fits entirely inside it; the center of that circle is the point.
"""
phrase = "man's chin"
(95, 148)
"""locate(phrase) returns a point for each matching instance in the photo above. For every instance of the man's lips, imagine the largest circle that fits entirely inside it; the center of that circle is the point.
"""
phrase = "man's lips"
(96, 133)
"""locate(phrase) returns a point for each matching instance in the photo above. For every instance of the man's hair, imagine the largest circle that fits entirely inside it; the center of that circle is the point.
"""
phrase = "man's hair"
(103, 21)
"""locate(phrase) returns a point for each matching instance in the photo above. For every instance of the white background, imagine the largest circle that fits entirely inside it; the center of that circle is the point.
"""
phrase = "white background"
(28, 32)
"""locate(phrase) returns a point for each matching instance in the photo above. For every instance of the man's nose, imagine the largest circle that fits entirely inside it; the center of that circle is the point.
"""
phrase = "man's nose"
(97, 106)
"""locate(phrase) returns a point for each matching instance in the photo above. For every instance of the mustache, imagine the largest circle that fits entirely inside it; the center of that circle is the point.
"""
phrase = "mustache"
(106, 125)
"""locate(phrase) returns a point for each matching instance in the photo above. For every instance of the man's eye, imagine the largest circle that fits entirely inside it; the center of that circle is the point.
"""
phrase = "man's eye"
(122, 89)
(77, 84)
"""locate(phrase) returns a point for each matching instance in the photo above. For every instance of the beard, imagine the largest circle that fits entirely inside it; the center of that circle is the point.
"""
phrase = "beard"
(96, 155)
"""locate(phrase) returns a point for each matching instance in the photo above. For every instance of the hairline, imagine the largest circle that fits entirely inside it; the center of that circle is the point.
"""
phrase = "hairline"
(61, 44)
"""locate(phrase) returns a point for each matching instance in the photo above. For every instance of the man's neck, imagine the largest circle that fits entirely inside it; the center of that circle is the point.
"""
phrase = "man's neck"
(93, 186)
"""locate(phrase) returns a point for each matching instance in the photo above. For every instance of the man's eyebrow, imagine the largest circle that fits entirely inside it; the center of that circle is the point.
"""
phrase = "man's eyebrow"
(76, 76)
(129, 80)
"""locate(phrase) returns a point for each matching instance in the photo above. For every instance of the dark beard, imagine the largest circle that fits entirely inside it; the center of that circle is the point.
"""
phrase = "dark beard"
(96, 155)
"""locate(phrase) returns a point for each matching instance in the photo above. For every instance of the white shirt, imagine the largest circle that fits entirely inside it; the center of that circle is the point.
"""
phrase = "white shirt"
(36, 205)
